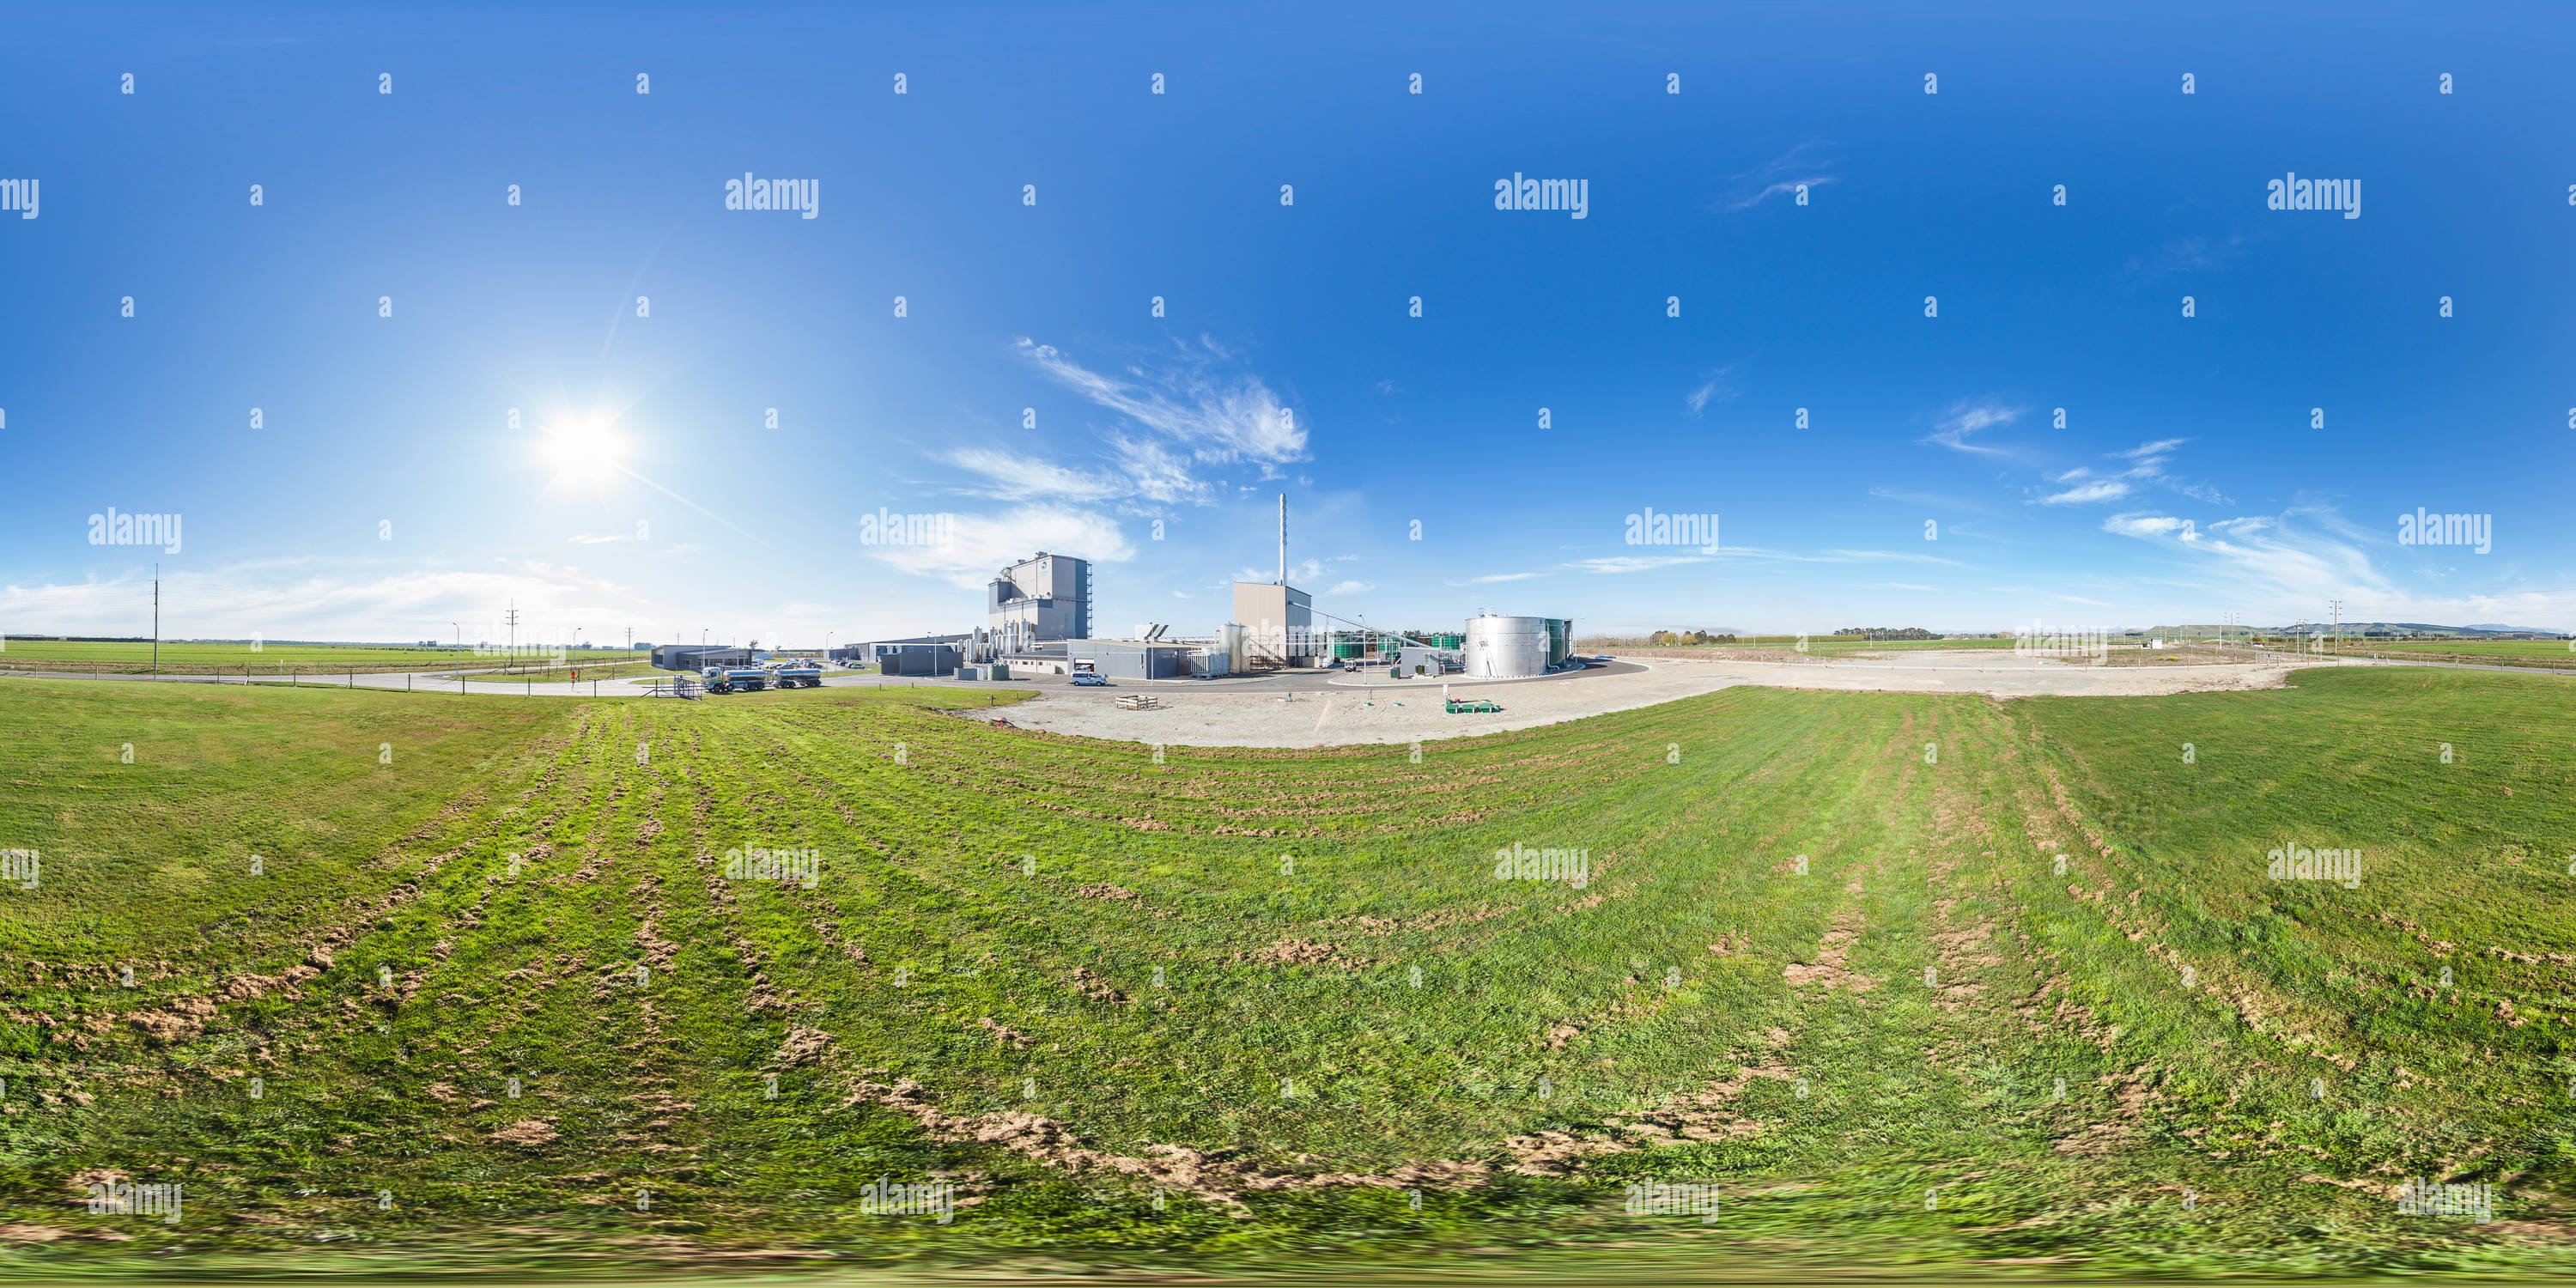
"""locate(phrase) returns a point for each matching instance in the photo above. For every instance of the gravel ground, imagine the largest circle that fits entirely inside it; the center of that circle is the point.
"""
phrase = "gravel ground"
(1401, 715)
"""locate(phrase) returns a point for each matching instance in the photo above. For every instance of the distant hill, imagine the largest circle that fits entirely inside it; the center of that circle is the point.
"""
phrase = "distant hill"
(2359, 628)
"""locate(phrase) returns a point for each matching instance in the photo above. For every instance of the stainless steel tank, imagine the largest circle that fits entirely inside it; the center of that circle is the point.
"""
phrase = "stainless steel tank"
(1503, 648)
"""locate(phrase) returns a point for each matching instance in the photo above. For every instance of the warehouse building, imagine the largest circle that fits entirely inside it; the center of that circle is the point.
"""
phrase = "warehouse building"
(867, 653)
(918, 659)
(691, 657)
(1134, 659)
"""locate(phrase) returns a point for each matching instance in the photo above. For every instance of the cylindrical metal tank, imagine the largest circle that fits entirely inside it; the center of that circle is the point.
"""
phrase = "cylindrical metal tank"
(1236, 642)
(1560, 641)
(1501, 648)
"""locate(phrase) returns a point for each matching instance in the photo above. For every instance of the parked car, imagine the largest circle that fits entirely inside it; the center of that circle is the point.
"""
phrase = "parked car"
(1090, 679)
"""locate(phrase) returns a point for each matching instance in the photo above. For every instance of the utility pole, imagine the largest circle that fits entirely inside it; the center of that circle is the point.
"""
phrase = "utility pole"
(2338, 620)
(513, 655)
(1283, 538)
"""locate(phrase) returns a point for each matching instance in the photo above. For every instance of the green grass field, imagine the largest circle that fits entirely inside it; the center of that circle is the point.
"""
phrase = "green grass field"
(2512, 652)
(203, 659)
(1270, 1008)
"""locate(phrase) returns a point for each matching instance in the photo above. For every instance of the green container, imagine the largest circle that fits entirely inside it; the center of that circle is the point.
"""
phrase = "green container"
(1349, 648)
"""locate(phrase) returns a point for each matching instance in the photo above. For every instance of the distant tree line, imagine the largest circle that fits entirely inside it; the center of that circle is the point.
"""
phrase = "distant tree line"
(1888, 633)
(1668, 639)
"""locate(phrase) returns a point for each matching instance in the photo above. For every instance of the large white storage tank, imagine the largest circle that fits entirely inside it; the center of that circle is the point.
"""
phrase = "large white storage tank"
(1235, 642)
(1505, 648)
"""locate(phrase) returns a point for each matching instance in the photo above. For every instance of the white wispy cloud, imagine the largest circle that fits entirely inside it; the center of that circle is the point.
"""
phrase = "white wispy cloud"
(1967, 418)
(1639, 563)
(1807, 163)
(2097, 490)
(2146, 468)
(1715, 386)
(2306, 554)
(1307, 572)
(981, 544)
(1014, 477)
(334, 599)
(1490, 578)
(1350, 587)
(1178, 415)
(1216, 418)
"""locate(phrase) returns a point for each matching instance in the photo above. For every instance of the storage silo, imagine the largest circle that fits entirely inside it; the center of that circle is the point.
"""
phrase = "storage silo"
(1560, 641)
(1506, 648)
(1236, 643)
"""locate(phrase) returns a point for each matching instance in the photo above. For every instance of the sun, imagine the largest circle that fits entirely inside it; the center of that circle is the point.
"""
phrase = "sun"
(585, 453)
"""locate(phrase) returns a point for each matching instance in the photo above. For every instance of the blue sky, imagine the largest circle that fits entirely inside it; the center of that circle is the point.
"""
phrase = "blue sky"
(385, 497)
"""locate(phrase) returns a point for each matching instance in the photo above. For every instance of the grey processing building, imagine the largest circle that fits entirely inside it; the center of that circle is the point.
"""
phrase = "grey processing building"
(1278, 621)
(1039, 600)
(690, 657)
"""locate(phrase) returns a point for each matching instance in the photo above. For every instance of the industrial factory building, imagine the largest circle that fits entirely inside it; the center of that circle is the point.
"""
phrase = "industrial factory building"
(1038, 622)
(1039, 600)
(1279, 620)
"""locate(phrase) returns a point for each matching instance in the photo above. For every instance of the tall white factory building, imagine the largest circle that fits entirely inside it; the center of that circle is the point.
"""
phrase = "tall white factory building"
(1279, 620)
(1039, 600)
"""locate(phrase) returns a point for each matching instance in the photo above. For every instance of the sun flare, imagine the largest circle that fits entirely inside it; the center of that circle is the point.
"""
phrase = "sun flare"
(583, 453)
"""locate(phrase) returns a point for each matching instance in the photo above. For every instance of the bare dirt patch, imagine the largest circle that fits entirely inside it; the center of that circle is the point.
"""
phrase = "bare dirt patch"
(1392, 714)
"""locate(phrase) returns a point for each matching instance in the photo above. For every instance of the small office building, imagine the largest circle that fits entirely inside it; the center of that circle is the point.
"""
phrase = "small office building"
(1134, 659)
(692, 657)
